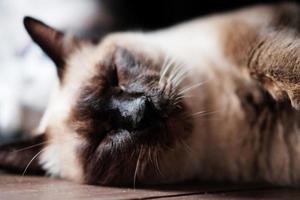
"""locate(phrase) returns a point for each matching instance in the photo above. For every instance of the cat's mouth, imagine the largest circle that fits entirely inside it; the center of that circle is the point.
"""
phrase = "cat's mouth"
(146, 131)
(148, 126)
(114, 159)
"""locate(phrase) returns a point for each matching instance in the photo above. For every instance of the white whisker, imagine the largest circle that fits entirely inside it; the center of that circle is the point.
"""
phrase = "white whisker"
(185, 96)
(179, 73)
(29, 147)
(204, 113)
(179, 80)
(166, 60)
(150, 156)
(137, 167)
(182, 74)
(167, 66)
(191, 87)
(29, 163)
(198, 113)
(157, 165)
(175, 70)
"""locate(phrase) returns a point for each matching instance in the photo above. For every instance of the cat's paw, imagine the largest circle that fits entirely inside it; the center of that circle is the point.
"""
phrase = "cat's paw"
(295, 97)
(276, 64)
(283, 89)
(286, 83)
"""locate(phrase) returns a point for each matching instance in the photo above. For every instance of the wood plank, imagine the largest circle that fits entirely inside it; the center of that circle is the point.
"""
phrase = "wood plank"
(265, 194)
(14, 187)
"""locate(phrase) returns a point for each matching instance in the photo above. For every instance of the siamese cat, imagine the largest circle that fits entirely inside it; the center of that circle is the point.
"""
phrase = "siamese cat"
(215, 98)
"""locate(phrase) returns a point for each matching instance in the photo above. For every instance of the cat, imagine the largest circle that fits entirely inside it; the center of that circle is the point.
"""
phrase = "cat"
(215, 98)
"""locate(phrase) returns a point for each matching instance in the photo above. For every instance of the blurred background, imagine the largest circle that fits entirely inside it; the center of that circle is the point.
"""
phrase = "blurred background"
(26, 74)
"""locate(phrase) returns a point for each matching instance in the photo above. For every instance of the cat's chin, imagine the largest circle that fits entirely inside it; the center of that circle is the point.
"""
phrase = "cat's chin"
(117, 157)
(124, 157)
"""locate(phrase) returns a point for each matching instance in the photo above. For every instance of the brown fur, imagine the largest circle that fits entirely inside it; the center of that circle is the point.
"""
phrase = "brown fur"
(269, 52)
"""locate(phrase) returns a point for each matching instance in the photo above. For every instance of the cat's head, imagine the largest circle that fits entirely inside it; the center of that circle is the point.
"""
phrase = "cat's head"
(117, 115)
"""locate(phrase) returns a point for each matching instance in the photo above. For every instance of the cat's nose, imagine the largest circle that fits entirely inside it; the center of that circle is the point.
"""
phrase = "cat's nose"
(135, 112)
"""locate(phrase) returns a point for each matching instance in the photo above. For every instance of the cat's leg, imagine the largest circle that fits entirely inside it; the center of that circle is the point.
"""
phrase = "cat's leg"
(22, 156)
(269, 50)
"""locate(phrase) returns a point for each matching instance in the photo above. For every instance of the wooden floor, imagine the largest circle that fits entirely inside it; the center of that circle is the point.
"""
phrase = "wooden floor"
(31, 188)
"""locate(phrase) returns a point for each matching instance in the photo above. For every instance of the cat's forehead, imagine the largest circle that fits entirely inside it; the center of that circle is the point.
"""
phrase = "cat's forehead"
(83, 64)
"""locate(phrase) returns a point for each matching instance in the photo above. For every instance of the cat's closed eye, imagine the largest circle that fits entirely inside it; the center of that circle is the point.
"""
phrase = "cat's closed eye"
(114, 76)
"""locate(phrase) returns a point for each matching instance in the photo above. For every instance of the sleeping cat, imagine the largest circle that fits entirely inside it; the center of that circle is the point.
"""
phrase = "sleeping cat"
(216, 98)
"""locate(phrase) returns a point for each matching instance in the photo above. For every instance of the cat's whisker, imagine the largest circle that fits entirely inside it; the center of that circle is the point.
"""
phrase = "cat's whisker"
(163, 66)
(170, 91)
(154, 163)
(189, 150)
(157, 165)
(176, 69)
(33, 158)
(204, 113)
(186, 146)
(30, 147)
(167, 67)
(185, 90)
(179, 97)
(175, 101)
(150, 156)
(182, 74)
(198, 113)
(180, 78)
(137, 167)
(190, 96)
(174, 73)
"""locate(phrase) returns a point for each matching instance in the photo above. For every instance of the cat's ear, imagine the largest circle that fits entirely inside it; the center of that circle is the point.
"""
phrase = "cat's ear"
(22, 156)
(54, 43)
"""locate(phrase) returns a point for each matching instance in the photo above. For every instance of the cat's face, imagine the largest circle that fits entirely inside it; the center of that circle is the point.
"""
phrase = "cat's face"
(116, 116)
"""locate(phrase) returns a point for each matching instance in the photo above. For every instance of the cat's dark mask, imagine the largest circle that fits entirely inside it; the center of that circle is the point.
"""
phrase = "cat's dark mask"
(113, 118)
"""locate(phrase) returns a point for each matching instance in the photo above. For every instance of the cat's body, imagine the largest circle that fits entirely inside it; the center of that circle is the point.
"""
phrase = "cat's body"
(229, 112)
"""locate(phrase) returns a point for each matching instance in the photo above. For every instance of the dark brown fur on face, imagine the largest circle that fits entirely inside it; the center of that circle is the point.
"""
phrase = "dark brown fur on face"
(127, 121)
